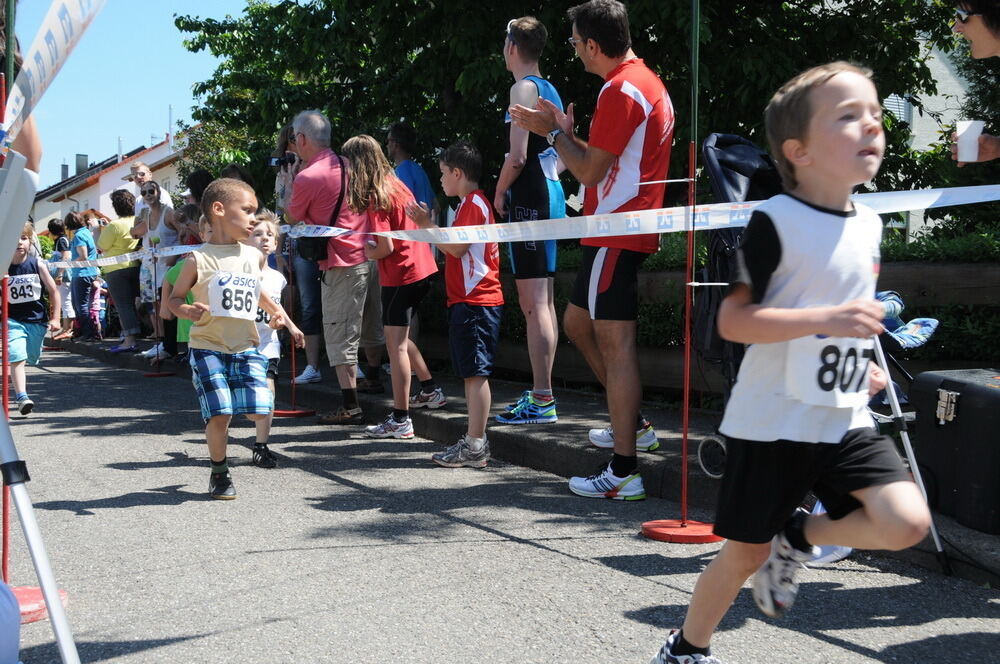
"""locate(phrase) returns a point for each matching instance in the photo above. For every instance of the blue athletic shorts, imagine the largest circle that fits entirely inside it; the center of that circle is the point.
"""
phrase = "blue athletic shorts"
(230, 384)
(473, 332)
(25, 341)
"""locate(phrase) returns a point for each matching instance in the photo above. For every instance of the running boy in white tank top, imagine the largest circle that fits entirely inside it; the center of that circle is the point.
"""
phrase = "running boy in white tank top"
(228, 372)
(797, 421)
(265, 237)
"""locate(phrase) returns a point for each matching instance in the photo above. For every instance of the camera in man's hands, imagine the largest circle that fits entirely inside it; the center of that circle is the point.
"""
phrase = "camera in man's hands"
(281, 162)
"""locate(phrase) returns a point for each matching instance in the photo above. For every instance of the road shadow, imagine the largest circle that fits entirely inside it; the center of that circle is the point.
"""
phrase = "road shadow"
(99, 651)
(166, 495)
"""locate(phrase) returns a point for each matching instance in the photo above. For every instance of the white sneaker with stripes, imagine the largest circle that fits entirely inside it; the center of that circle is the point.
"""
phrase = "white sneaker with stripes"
(605, 484)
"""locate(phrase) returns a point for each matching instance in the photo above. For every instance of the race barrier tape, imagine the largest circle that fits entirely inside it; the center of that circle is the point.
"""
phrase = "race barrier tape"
(664, 220)
(58, 35)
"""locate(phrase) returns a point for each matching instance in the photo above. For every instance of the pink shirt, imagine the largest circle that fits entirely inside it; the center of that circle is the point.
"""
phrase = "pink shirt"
(314, 195)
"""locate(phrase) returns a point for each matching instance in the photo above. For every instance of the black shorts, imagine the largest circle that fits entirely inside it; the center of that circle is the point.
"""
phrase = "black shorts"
(607, 285)
(533, 260)
(765, 482)
(272, 368)
(399, 303)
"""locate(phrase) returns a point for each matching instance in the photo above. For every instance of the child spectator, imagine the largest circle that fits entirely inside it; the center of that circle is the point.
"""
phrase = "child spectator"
(265, 237)
(97, 304)
(475, 299)
(796, 421)
(61, 252)
(202, 233)
(406, 271)
(229, 374)
(28, 318)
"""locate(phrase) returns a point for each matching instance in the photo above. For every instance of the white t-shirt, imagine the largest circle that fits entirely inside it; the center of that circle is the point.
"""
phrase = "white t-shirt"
(272, 283)
(813, 389)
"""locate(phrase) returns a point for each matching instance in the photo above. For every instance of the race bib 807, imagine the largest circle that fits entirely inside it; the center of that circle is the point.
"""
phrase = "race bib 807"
(233, 295)
(829, 371)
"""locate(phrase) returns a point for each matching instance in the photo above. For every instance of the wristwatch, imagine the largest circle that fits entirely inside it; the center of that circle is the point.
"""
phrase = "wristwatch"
(552, 135)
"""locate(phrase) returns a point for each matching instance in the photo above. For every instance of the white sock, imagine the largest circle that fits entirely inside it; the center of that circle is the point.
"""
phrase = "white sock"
(475, 444)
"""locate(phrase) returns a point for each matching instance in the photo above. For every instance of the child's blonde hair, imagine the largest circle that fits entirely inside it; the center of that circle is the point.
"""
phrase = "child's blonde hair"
(204, 226)
(265, 216)
(372, 179)
(29, 230)
(789, 112)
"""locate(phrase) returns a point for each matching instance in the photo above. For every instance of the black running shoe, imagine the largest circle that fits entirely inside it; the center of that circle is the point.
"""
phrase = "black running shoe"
(220, 486)
(264, 457)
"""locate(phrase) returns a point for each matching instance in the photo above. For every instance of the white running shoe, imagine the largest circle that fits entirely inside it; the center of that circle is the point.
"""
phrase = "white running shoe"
(309, 375)
(605, 484)
(152, 352)
(645, 438)
(432, 400)
(774, 586)
(390, 428)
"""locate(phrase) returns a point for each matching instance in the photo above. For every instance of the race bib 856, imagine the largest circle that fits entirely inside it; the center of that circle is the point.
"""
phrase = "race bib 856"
(233, 295)
(830, 371)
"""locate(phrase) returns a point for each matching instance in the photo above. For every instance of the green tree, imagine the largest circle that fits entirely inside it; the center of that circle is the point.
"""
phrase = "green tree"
(368, 64)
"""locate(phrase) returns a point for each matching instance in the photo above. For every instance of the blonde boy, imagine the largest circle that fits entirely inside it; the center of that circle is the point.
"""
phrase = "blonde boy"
(265, 238)
(229, 374)
(796, 421)
(28, 319)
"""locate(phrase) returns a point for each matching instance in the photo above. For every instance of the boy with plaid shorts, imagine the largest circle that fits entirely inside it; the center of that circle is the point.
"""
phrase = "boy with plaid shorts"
(229, 374)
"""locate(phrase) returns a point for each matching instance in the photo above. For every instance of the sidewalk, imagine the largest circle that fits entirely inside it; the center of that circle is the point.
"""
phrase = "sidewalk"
(563, 449)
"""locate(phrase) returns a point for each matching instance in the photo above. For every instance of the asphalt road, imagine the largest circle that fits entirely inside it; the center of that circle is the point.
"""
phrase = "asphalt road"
(364, 551)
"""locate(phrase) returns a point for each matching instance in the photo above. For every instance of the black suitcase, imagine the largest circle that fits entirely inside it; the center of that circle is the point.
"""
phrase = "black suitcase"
(956, 441)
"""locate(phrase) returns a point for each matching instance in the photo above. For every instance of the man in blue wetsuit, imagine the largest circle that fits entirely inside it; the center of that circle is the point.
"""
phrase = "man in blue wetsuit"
(528, 189)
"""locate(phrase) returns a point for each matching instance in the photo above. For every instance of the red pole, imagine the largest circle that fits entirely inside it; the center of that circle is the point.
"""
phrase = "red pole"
(5, 543)
(688, 297)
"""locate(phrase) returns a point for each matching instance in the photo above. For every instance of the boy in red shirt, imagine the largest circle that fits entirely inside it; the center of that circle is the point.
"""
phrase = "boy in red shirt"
(475, 300)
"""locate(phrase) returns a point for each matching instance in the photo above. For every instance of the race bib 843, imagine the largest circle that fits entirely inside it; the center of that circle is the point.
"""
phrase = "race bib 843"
(24, 288)
(829, 371)
(233, 295)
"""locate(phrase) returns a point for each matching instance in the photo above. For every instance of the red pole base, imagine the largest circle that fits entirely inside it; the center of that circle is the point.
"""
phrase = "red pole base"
(32, 603)
(294, 413)
(680, 532)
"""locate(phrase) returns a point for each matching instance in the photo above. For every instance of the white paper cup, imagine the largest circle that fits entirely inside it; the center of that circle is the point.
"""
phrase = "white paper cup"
(968, 132)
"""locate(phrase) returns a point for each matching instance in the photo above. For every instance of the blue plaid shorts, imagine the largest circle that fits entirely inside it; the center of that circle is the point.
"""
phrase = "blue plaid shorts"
(230, 383)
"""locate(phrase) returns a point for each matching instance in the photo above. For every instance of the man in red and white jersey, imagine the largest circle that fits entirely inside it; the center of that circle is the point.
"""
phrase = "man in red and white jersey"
(629, 143)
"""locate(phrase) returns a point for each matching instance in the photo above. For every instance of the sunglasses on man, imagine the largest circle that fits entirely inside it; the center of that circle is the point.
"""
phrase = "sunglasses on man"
(963, 16)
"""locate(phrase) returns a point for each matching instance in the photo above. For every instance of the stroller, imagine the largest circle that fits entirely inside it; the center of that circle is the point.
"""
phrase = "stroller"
(740, 171)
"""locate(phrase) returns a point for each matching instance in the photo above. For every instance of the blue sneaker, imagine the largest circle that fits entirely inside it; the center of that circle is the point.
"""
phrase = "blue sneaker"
(529, 411)
(520, 400)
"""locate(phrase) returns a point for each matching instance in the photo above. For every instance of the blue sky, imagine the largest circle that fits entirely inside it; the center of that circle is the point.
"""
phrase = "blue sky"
(120, 80)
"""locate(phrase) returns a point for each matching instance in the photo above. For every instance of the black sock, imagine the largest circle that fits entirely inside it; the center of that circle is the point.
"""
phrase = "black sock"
(795, 531)
(220, 466)
(349, 396)
(400, 415)
(428, 386)
(623, 466)
(682, 647)
(640, 423)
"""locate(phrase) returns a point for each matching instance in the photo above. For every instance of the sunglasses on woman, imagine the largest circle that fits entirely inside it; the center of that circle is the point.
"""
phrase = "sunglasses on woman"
(148, 192)
(963, 16)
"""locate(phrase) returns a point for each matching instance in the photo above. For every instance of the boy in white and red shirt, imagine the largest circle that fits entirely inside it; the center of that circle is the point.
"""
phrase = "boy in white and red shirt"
(475, 299)
(629, 143)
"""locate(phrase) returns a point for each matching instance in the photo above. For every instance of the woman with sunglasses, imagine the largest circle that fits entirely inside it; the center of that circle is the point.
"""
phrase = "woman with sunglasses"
(155, 225)
(978, 21)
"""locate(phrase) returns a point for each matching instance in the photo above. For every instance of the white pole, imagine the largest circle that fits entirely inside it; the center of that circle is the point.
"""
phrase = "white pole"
(170, 126)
